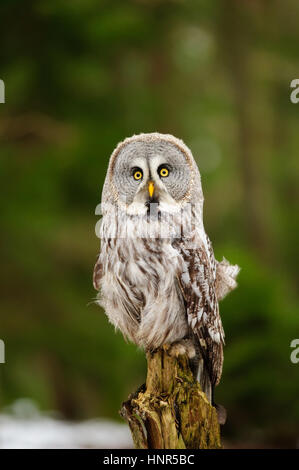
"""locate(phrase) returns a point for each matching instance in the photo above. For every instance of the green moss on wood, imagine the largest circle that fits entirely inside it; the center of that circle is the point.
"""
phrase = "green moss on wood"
(171, 411)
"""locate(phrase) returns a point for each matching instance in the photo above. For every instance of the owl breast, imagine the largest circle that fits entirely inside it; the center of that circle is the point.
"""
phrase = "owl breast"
(140, 293)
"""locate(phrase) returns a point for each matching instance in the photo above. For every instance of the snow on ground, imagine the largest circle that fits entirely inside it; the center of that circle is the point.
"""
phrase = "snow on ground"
(24, 427)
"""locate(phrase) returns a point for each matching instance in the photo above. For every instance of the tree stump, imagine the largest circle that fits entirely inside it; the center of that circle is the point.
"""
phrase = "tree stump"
(170, 411)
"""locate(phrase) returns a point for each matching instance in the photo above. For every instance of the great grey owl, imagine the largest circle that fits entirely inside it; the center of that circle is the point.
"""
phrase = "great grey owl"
(158, 279)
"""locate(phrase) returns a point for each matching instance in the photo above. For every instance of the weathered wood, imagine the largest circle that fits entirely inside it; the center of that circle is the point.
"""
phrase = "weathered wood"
(170, 411)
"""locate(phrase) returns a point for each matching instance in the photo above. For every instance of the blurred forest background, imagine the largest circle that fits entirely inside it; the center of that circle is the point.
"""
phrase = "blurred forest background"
(81, 76)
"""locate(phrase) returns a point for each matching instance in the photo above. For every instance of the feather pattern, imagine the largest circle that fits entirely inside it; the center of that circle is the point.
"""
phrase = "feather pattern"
(156, 274)
(197, 281)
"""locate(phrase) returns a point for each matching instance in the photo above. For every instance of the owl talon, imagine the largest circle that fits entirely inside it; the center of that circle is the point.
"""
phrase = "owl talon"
(181, 348)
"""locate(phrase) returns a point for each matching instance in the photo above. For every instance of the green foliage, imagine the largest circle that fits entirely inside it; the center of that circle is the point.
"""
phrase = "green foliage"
(80, 77)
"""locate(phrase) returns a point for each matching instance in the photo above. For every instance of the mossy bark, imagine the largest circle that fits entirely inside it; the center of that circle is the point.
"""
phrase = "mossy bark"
(170, 411)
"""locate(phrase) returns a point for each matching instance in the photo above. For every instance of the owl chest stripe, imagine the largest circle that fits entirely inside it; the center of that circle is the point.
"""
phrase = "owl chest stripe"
(145, 276)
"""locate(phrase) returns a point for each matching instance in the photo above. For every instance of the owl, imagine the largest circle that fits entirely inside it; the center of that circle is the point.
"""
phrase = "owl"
(158, 280)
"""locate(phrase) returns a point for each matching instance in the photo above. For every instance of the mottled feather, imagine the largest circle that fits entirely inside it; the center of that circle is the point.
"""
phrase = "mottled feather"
(159, 288)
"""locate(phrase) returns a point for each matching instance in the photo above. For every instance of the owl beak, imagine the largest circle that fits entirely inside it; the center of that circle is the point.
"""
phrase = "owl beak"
(151, 188)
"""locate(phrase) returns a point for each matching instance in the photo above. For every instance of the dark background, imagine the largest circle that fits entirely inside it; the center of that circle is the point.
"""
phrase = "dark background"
(81, 76)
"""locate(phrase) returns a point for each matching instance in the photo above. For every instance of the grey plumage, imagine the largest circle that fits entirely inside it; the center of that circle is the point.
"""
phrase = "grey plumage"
(157, 274)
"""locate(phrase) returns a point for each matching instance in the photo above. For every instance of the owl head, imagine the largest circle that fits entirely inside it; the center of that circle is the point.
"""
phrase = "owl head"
(152, 168)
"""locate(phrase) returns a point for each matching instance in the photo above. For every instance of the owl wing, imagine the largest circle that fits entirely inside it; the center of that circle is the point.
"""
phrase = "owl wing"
(198, 284)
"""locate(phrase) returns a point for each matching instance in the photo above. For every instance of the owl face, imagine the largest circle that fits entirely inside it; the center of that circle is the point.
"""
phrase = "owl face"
(150, 170)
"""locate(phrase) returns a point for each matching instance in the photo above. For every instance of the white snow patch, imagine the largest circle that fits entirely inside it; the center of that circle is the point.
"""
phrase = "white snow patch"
(43, 432)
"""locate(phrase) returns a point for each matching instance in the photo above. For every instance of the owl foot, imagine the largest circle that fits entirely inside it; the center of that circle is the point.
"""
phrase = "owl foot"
(180, 348)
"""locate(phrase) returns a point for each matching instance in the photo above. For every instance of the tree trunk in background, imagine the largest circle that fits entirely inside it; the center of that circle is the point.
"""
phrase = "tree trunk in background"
(170, 411)
(235, 28)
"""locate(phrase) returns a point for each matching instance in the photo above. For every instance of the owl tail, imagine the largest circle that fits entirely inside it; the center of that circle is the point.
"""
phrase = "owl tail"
(226, 276)
(207, 387)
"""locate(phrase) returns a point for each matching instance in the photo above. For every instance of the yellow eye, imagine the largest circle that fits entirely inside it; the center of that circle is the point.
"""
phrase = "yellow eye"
(137, 174)
(163, 172)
